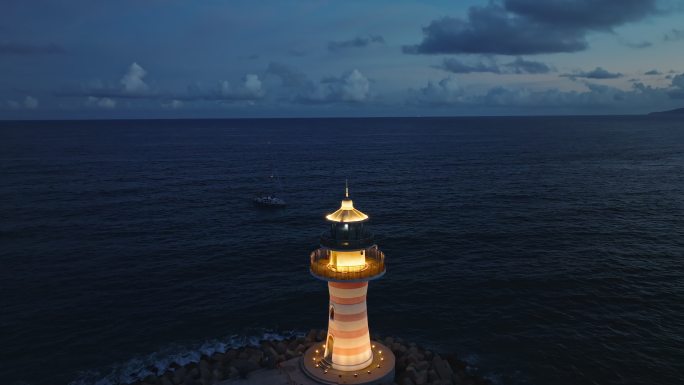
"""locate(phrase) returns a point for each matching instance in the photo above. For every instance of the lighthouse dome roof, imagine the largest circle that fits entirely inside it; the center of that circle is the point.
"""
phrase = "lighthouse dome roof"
(347, 213)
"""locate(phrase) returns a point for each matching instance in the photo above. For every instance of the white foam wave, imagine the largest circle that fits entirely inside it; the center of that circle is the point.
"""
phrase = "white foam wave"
(158, 362)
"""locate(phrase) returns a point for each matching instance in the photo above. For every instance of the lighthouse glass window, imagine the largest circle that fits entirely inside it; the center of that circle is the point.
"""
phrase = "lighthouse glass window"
(348, 261)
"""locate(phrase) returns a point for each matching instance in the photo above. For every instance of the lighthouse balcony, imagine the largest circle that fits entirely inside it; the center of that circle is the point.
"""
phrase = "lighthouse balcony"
(340, 242)
(330, 265)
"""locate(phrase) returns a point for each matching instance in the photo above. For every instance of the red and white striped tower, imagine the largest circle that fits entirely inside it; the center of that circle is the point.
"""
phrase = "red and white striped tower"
(347, 259)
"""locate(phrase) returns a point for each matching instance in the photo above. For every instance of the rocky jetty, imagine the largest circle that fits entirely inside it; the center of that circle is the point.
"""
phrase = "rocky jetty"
(414, 364)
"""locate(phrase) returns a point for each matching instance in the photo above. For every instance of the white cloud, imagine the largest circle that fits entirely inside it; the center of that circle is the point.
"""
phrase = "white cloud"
(30, 102)
(252, 85)
(353, 87)
(133, 81)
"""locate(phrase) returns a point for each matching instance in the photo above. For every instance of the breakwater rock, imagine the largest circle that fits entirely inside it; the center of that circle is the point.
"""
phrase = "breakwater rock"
(414, 364)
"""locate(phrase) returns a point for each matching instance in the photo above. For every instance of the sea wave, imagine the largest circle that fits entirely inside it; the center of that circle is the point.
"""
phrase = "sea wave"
(156, 363)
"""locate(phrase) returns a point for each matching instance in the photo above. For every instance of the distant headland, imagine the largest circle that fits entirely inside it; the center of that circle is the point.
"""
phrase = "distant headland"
(676, 111)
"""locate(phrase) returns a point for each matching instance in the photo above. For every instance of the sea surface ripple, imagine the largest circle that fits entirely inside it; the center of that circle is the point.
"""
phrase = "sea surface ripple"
(543, 250)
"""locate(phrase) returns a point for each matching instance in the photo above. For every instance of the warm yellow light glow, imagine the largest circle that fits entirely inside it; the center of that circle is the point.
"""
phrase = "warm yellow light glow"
(348, 261)
(347, 213)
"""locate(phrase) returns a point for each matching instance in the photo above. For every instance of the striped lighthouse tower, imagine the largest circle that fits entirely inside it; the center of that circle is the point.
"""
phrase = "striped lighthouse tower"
(347, 259)
(348, 344)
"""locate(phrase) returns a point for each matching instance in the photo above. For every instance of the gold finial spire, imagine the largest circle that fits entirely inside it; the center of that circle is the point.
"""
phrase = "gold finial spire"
(347, 212)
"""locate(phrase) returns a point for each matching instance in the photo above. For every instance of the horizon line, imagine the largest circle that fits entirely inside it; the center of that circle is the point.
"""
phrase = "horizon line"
(655, 113)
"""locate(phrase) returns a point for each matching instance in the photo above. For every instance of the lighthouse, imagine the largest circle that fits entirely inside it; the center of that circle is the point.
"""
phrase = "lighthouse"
(348, 258)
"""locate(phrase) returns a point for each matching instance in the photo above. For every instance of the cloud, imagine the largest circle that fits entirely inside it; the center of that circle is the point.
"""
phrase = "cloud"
(522, 66)
(30, 103)
(296, 87)
(596, 97)
(172, 104)
(653, 72)
(130, 86)
(638, 45)
(588, 14)
(677, 89)
(674, 35)
(486, 64)
(101, 102)
(492, 30)
(678, 81)
(596, 73)
(133, 86)
(252, 85)
(444, 92)
(350, 87)
(133, 81)
(249, 90)
(21, 49)
(289, 77)
(517, 27)
(358, 42)
(459, 67)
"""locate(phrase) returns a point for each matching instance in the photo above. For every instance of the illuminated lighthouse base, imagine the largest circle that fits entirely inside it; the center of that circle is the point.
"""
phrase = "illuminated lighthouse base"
(378, 371)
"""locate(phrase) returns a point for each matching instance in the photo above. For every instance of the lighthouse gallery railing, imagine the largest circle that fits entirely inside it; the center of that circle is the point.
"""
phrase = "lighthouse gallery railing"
(320, 266)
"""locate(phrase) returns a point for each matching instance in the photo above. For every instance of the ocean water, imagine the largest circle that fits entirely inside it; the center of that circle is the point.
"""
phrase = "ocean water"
(542, 250)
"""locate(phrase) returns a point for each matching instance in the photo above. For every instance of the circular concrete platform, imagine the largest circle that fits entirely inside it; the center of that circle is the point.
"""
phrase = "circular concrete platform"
(379, 372)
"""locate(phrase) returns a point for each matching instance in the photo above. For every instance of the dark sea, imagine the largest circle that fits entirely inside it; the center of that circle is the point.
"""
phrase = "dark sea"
(545, 251)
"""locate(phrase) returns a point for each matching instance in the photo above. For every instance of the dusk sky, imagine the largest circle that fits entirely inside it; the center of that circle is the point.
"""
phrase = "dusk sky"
(182, 58)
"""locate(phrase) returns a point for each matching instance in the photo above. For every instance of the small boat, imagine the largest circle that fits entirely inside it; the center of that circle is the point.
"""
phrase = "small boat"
(269, 201)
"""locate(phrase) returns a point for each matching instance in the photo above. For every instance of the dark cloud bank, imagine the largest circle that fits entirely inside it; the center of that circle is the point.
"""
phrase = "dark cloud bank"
(596, 97)
(674, 35)
(520, 27)
(596, 73)
(518, 66)
(358, 42)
